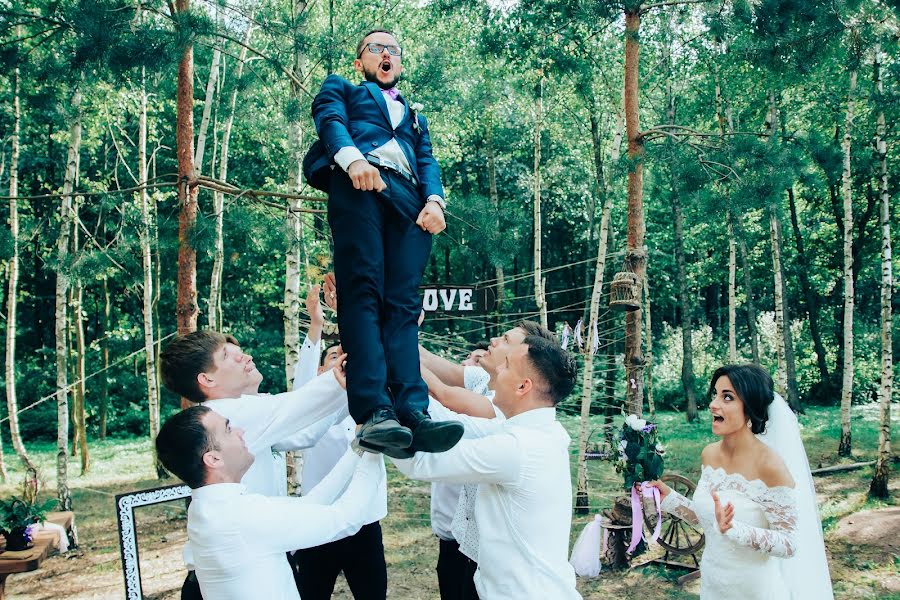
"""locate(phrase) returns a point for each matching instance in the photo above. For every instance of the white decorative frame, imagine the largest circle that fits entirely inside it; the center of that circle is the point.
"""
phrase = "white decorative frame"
(125, 505)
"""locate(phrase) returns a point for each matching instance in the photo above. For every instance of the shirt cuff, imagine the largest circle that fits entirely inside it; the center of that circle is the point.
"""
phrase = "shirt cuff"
(347, 155)
(438, 199)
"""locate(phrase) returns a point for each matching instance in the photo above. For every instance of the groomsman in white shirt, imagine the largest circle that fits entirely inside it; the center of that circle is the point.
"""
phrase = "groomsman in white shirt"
(453, 505)
(521, 465)
(210, 368)
(240, 539)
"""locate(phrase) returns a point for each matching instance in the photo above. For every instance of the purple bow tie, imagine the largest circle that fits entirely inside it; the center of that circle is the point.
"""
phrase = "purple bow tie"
(393, 93)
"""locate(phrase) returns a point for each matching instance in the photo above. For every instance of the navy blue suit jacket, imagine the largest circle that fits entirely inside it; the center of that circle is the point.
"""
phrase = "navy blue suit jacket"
(357, 115)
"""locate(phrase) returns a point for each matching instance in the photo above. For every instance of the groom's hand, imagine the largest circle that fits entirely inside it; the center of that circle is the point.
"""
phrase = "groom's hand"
(431, 219)
(365, 177)
(724, 514)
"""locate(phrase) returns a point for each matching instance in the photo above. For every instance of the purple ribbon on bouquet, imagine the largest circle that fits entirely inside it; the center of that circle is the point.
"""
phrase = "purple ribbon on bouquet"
(637, 514)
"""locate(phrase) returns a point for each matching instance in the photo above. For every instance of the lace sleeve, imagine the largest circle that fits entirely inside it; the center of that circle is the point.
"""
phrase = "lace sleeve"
(681, 507)
(780, 506)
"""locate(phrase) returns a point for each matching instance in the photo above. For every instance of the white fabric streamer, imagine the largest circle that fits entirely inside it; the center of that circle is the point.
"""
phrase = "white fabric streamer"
(806, 574)
(566, 332)
(586, 551)
(578, 328)
(595, 343)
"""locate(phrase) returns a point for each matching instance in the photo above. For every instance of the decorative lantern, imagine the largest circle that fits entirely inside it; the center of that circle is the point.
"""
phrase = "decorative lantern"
(625, 292)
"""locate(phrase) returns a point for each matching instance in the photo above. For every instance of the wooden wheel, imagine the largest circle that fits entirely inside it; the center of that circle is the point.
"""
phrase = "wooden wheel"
(676, 535)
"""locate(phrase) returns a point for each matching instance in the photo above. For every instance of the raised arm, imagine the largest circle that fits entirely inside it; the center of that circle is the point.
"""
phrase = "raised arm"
(292, 523)
(491, 459)
(447, 372)
(458, 399)
(308, 361)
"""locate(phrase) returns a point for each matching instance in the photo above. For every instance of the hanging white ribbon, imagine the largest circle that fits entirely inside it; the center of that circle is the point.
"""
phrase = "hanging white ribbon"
(595, 343)
(578, 340)
(567, 331)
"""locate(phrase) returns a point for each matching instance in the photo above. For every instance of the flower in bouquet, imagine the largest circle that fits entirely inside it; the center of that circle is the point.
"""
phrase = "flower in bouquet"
(639, 454)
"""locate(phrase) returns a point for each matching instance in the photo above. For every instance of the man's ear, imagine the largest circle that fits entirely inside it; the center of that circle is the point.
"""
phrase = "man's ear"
(320, 370)
(212, 460)
(524, 387)
(357, 65)
(205, 381)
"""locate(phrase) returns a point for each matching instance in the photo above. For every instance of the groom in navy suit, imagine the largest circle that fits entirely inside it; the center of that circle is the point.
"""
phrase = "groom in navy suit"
(385, 201)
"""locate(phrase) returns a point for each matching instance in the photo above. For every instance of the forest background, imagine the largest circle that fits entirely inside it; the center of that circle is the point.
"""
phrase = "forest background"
(741, 161)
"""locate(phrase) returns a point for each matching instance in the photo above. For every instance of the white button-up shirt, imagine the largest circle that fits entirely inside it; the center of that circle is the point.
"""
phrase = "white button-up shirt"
(524, 502)
(240, 539)
(297, 419)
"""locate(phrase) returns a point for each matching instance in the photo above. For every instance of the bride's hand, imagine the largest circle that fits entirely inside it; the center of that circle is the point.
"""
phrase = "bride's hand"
(662, 487)
(724, 514)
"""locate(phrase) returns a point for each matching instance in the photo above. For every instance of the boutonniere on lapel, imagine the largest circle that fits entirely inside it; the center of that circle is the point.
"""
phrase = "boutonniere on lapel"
(415, 107)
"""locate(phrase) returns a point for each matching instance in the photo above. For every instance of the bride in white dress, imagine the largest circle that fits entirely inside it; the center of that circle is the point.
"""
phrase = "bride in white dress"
(755, 499)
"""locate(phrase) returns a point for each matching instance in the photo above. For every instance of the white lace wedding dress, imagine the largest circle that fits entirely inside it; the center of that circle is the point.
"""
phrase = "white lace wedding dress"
(743, 563)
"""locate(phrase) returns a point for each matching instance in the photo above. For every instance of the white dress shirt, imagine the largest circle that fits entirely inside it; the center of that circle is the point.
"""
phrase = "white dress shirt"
(301, 416)
(445, 497)
(523, 506)
(240, 539)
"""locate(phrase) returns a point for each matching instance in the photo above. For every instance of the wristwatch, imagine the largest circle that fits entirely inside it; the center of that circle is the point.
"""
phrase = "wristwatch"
(437, 200)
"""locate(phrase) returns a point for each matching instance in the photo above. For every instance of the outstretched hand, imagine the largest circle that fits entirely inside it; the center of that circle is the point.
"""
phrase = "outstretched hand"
(331, 291)
(724, 514)
(340, 371)
(431, 219)
(314, 308)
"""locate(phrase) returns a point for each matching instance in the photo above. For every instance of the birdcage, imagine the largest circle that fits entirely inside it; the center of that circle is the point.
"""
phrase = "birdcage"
(625, 292)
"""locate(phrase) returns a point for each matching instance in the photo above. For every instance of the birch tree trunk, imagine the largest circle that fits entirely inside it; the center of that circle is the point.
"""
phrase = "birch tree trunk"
(186, 301)
(635, 254)
(215, 287)
(207, 108)
(539, 298)
(495, 202)
(12, 404)
(879, 486)
(295, 264)
(147, 271)
(62, 289)
(847, 191)
(581, 498)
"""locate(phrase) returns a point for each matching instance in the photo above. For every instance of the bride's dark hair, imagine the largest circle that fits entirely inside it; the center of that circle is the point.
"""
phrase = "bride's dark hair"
(755, 388)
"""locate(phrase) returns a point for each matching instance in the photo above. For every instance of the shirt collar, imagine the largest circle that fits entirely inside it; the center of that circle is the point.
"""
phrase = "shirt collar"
(534, 417)
(218, 491)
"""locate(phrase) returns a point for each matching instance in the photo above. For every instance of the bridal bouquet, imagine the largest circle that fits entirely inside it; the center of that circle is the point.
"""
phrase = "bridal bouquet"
(639, 452)
(639, 458)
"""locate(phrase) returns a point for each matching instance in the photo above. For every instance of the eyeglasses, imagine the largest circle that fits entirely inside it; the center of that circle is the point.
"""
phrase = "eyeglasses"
(379, 48)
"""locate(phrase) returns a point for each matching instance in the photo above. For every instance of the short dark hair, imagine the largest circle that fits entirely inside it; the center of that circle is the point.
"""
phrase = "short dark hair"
(554, 365)
(181, 443)
(325, 351)
(482, 345)
(362, 40)
(188, 356)
(536, 329)
(754, 387)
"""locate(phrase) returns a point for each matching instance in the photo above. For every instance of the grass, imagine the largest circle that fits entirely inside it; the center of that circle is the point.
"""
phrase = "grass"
(118, 466)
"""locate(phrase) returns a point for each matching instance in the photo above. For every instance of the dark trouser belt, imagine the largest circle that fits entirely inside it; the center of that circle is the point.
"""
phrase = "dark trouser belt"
(387, 164)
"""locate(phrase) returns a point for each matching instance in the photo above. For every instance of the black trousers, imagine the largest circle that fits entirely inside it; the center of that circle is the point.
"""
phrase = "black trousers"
(360, 557)
(379, 258)
(456, 573)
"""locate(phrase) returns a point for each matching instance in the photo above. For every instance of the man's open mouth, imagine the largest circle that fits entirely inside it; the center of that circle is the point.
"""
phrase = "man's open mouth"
(386, 66)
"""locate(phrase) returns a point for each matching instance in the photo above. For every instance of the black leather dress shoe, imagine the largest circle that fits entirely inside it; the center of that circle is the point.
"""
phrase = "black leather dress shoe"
(383, 430)
(433, 436)
(399, 453)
